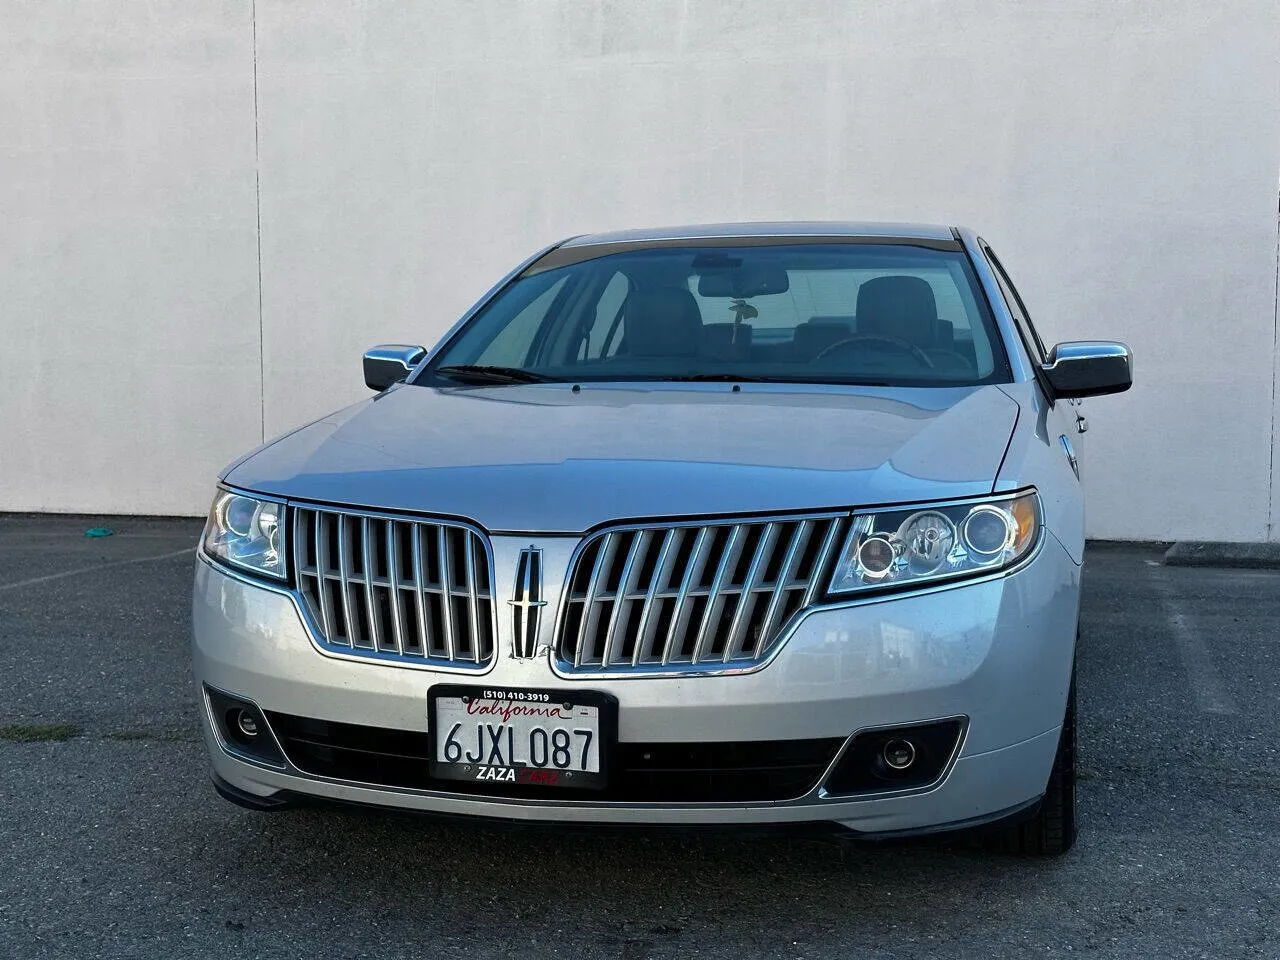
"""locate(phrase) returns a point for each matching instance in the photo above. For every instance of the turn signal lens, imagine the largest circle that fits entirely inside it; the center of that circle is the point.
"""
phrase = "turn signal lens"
(1026, 511)
(941, 542)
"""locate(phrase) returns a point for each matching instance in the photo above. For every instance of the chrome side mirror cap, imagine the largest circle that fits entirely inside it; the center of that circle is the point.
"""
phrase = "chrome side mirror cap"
(390, 363)
(1088, 368)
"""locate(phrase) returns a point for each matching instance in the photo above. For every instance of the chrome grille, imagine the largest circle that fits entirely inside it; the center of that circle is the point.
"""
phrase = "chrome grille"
(382, 586)
(694, 596)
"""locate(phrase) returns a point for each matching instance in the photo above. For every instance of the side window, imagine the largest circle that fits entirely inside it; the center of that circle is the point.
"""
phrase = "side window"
(1016, 307)
(511, 346)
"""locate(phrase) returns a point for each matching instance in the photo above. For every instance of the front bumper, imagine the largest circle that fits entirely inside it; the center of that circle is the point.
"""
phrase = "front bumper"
(997, 651)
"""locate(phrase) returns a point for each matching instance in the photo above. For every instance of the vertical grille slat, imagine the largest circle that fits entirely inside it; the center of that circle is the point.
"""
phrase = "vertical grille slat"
(413, 590)
(694, 595)
(322, 573)
(820, 564)
(473, 600)
(446, 592)
(349, 622)
(786, 572)
(750, 586)
(370, 597)
(716, 597)
(393, 575)
(647, 628)
(614, 638)
(308, 531)
(426, 635)
(683, 609)
(591, 613)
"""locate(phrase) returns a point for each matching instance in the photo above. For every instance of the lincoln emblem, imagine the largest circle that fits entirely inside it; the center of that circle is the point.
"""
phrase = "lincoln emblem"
(526, 604)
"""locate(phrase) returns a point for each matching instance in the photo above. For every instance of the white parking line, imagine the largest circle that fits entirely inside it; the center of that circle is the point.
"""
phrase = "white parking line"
(102, 566)
(1211, 693)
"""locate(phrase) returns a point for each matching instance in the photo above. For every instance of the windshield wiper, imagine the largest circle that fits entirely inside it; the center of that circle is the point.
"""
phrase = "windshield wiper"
(484, 373)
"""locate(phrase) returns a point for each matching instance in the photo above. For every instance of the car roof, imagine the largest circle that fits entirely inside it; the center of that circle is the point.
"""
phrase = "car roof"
(786, 228)
(594, 245)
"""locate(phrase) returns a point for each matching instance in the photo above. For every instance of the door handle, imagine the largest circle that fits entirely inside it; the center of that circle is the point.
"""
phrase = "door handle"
(1071, 455)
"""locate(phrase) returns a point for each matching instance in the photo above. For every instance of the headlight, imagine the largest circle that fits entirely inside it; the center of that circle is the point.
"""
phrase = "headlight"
(247, 532)
(910, 546)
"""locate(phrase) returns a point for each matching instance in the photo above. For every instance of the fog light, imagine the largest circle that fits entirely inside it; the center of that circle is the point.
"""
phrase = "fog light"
(904, 757)
(899, 754)
(246, 724)
(242, 728)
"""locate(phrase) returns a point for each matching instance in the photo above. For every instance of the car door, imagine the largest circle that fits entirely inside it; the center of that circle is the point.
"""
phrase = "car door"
(1066, 418)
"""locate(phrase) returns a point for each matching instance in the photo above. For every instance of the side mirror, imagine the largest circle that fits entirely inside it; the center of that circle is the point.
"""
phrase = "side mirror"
(390, 363)
(1088, 368)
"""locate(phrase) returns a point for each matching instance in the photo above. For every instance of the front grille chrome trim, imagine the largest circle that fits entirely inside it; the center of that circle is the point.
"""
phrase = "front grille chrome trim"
(690, 597)
(450, 623)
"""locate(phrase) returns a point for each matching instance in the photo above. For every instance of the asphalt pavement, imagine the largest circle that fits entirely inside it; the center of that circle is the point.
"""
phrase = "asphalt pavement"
(113, 843)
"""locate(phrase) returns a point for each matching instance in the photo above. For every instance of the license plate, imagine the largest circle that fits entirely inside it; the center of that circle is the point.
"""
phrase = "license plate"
(497, 736)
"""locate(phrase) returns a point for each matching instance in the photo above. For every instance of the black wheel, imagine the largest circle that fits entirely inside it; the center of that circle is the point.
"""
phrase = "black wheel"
(1051, 831)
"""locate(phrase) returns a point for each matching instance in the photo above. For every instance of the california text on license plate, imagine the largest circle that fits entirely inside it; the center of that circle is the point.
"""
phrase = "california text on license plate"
(549, 738)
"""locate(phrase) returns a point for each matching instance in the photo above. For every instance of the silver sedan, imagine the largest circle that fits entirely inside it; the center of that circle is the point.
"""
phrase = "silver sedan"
(745, 524)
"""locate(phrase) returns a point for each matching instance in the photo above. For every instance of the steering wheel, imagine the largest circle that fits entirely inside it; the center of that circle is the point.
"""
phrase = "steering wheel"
(951, 360)
(897, 343)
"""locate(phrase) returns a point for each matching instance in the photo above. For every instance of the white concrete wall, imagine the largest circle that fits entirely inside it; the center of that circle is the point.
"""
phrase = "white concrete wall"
(1122, 157)
(128, 252)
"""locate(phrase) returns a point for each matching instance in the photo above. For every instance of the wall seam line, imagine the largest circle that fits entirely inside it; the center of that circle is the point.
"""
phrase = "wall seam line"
(1275, 373)
(257, 203)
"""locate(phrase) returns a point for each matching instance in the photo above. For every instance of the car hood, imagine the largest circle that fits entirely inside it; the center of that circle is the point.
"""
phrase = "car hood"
(543, 458)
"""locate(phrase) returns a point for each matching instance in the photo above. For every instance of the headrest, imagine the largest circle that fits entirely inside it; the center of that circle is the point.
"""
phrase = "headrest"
(814, 336)
(662, 322)
(898, 306)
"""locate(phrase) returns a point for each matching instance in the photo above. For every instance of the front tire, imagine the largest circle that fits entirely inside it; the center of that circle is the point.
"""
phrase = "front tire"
(1051, 831)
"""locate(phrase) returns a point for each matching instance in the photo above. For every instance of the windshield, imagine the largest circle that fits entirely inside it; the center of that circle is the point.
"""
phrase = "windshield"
(834, 312)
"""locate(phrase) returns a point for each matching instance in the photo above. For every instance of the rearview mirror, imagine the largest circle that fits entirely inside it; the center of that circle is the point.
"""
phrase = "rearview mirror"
(390, 363)
(739, 280)
(1088, 368)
